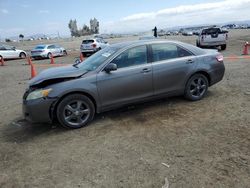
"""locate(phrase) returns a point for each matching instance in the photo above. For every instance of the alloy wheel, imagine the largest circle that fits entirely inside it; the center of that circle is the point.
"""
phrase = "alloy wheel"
(198, 87)
(76, 112)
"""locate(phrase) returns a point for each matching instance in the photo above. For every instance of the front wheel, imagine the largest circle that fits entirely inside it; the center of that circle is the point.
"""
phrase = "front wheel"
(75, 111)
(22, 55)
(65, 53)
(196, 87)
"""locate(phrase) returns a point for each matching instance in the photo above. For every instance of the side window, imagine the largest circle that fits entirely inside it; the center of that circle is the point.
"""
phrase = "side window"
(164, 52)
(131, 57)
(51, 47)
(8, 48)
(183, 53)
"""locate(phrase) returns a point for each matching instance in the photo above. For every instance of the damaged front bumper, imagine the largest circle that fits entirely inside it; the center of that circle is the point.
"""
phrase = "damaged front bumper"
(38, 110)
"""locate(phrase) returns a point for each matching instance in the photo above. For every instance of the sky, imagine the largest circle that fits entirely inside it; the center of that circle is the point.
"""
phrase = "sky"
(30, 17)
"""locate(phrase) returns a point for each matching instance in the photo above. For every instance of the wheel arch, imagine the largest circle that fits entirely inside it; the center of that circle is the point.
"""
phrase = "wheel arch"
(22, 52)
(54, 106)
(205, 73)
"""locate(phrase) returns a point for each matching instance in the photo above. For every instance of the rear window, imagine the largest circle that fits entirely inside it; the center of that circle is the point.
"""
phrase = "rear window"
(211, 31)
(40, 47)
(87, 41)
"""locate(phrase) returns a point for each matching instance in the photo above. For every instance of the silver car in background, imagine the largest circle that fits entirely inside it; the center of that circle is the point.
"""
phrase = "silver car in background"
(118, 75)
(90, 46)
(47, 51)
(10, 52)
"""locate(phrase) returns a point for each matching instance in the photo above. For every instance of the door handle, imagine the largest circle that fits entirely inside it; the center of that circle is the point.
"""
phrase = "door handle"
(145, 70)
(189, 61)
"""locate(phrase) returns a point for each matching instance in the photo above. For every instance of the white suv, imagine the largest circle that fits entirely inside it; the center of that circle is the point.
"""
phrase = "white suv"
(213, 37)
(90, 46)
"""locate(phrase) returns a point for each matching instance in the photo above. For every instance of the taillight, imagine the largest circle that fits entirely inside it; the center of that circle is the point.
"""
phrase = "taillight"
(94, 45)
(220, 58)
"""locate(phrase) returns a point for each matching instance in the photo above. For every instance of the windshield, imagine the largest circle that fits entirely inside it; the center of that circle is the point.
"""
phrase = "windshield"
(211, 31)
(94, 61)
(40, 47)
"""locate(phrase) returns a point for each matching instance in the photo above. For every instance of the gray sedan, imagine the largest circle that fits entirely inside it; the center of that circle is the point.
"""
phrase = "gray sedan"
(118, 75)
(47, 51)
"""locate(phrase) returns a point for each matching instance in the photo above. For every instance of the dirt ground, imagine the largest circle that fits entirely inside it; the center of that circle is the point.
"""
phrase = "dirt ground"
(192, 144)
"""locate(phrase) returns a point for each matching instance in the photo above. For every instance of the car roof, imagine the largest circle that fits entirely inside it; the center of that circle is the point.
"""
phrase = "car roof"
(46, 45)
(142, 42)
(90, 39)
(128, 44)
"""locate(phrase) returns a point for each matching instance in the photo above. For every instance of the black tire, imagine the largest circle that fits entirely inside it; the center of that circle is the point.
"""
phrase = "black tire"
(84, 54)
(196, 87)
(197, 44)
(223, 47)
(75, 111)
(22, 55)
(65, 53)
(49, 56)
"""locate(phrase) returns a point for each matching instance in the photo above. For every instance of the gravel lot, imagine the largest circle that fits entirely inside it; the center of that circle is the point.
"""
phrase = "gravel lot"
(192, 144)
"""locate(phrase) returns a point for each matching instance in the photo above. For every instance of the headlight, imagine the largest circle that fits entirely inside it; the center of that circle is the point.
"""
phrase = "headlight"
(38, 94)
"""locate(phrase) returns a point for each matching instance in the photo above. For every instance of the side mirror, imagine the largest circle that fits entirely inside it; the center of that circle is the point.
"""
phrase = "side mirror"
(13, 48)
(106, 42)
(110, 67)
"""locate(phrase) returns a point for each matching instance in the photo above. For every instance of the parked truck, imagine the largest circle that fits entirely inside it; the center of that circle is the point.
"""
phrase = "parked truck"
(212, 37)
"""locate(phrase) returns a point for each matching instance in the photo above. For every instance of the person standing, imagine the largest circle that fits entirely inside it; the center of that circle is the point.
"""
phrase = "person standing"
(155, 32)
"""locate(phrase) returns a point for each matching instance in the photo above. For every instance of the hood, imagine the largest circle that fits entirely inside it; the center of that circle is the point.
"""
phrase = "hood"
(57, 73)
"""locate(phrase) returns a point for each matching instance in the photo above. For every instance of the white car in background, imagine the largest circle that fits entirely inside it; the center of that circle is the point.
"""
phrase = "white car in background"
(10, 52)
(90, 46)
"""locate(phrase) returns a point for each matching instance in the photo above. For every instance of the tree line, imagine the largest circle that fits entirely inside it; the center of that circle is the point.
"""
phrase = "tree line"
(85, 30)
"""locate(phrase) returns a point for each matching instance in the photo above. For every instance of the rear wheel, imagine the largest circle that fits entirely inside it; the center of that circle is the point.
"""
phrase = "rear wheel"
(196, 87)
(65, 53)
(223, 47)
(22, 55)
(75, 111)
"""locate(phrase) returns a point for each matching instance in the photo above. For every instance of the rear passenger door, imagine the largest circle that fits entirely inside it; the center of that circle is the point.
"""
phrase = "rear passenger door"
(172, 64)
(52, 49)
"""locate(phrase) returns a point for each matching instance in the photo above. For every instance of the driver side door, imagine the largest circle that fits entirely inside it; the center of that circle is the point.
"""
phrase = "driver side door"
(132, 81)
